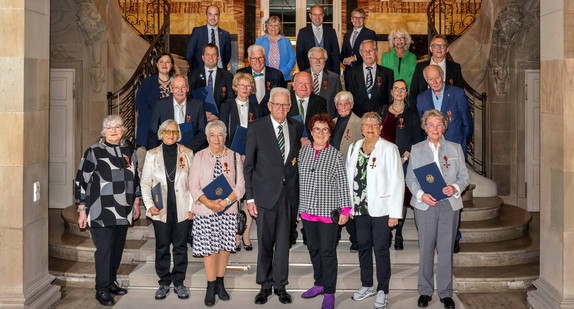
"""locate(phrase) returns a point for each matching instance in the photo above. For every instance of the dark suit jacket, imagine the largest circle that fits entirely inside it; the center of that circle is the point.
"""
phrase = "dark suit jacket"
(198, 38)
(264, 171)
(383, 81)
(273, 78)
(194, 112)
(409, 132)
(222, 87)
(330, 86)
(348, 51)
(229, 114)
(316, 105)
(456, 108)
(306, 41)
(419, 84)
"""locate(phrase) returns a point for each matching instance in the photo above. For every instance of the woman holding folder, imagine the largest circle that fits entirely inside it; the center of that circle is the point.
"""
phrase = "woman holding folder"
(436, 214)
(167, 198)
(215, 223)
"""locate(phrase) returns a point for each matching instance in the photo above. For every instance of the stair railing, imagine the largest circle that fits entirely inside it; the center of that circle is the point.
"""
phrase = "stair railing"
(146, 17)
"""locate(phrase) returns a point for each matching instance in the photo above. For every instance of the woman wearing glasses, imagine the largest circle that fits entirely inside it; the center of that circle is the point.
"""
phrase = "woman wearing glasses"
(322, 189)
(169, 165)
(377, 187)
(399, 58)
(402, 127)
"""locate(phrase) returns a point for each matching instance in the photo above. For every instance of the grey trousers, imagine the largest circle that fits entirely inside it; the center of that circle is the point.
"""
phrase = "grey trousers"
(437, 230)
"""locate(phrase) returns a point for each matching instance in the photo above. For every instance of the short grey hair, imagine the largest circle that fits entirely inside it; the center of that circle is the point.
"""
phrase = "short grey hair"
(108, 120)
(317, 49)
(279, 91)
(344, 95)
(428, 67)
(253, 48)
(182, 76)
(403, 32)
(372, 116)
(164, 125)
(216, 124)
(437, 114)
(368, 41)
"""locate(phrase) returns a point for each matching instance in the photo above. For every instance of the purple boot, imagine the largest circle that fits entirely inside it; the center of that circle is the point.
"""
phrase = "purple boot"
(312, 292)
(328, 301)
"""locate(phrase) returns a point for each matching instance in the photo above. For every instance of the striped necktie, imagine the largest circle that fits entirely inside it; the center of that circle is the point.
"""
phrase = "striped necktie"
(316, 84)
(213, 36)
(354, 38)
(281, 141)
(302, 109)
(210, 80)
(369, 81)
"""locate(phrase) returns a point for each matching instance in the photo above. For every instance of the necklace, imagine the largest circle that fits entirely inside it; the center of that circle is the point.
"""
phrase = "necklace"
(396, 112)
(164, 81)
(172, 173)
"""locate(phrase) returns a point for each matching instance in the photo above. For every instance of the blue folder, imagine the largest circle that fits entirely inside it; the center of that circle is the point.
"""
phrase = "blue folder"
(219, 188)
(186, 131)
(239, 140)
(157, 197)
(300, 119)
(205, 94)
(431, 180)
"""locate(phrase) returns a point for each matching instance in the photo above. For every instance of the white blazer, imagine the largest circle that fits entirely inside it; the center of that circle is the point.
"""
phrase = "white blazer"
(385, 180)
(154, 172)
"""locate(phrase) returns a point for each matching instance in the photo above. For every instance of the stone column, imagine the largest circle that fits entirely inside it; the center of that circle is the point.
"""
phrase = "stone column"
(555, 287)
(24, 123)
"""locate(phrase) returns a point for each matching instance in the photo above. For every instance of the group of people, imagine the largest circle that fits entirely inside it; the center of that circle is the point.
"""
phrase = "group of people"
(318, 154)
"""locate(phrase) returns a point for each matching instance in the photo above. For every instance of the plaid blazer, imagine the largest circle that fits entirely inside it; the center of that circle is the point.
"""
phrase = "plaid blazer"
(323, 184)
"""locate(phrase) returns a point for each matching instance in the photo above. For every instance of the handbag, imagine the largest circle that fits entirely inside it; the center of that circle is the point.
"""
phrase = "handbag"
(241, 216)
(335, 214)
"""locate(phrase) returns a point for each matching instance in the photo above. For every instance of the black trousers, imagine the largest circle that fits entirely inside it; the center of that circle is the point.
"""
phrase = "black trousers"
(352, 230)
(374, 232)
(322, 245)
(109, 242)
(274, 228)
(167, 234)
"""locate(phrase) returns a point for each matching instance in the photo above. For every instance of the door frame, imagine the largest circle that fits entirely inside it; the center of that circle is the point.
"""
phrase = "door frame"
(531, 178)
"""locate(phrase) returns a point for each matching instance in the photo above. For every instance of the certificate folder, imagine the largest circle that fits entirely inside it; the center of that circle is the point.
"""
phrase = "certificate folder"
(219, 188)
(431, 180)
(300, 119)
(157, 197)
(239, 140)
(186, 131)
(205, 94)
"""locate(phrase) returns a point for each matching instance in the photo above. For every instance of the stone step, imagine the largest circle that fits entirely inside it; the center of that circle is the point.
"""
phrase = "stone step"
(83, 274)
(495, 279)
(512, 223)
(481, 208)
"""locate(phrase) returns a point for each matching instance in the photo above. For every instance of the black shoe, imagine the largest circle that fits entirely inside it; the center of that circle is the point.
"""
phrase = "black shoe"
(423, 301)
(354, 248)
(262, 296)
(284, 297)
(247, 247)
(399, 244)
(104, 298)
(210, 293)
(238, 248)
(116, 290)
(456, 248)
(220, 291)
(447, 302)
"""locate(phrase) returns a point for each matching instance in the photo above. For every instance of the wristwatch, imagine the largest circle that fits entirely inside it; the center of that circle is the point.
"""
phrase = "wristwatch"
(81, 209)
(229, 202)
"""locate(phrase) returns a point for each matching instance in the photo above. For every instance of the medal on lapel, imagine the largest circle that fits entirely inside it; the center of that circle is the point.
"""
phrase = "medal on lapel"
(347, 135)
(450, 119)
(379, 81)
(294, 161)
(188, 118)
(325, 84)
(226, 170)
(373, 165)
(181, 163)
(446, 164)
(128, 162)
(224, 94)
(250, 117)
(268, 86)
(401, 125)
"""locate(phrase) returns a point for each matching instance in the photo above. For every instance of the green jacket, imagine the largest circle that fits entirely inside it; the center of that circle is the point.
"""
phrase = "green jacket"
(390, 60)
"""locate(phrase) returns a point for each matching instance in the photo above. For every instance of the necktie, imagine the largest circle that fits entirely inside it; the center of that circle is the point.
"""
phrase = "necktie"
(181, 114)
(316, 84)
(213, 36)
(318, 34)
(301, 109)
(355, 33)
(369, 81)
(281, 141)
(210, 80)
(257, 75)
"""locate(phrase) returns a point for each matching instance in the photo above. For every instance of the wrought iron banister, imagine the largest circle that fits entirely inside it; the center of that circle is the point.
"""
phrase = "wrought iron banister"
(146, 17)
(122, 101)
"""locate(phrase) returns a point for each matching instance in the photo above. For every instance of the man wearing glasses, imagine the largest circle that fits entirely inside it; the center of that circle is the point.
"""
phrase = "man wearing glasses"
(272, 191)
(350, 55)
(266, 78)
(452, 72)
(326, 84)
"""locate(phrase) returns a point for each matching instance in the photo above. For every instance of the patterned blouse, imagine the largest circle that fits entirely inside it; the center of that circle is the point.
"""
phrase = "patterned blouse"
(360, 185)
(274, 56)
(164, 91)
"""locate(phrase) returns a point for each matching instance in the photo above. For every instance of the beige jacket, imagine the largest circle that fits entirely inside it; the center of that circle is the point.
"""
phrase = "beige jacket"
(352, 133)
(154, 172)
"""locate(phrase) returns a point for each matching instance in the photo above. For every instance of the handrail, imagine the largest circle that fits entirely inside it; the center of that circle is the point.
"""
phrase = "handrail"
(122, 101)
(145, 16)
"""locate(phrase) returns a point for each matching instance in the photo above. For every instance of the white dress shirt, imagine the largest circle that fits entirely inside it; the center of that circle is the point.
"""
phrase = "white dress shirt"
(213, 75)
(243, 109)
(305, 106)
(260, 86)
(442, 65)
(373, 72)
(219, 63)
(179, 111)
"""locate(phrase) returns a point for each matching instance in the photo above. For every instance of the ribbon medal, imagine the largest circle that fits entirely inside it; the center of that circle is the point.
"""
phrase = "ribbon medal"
(226, 170)
(373, 164)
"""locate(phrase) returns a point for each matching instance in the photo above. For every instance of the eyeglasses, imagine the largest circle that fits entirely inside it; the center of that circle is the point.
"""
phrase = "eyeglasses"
(177, 88)
(257, 58)
(367, 51)
(435, 126)
(317, 130)
(244, 86)
(348, 104)
(400, 89)
(399, 38)
(117, 127)
(371, 125)
(439, 46)
(317, 59)
(279, 105)
(169, 132)
(357, 17)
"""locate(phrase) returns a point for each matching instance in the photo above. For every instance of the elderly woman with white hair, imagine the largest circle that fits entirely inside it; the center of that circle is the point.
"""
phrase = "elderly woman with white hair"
(214, 233)
(107, 193)
(399, 58)
(169, 165)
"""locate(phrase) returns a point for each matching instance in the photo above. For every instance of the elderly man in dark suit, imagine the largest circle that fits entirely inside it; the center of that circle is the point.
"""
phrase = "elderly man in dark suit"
(220, 81)
(350, 55)
(183, 110)
(266, 78)
(369, 83)
(320, 35)
(325, 83)
(210, 33)
(452, 72)
(272, 191)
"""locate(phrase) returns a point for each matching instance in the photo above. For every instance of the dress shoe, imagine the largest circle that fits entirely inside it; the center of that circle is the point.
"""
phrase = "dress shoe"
(104, 298)
(423, 301)
(312, 292)
(354, 248)
(456, 248)
(181, 291)
(284, 297)
(262, 296)
(116, 290)
(247, 247)
(220, 290)
(447, 302)
(399, 243)
(162, 292)
(328, 301)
